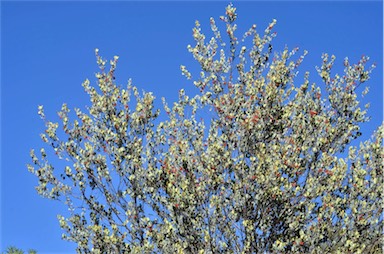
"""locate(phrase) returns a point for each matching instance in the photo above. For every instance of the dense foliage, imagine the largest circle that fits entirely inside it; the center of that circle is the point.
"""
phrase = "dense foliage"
(263, 174)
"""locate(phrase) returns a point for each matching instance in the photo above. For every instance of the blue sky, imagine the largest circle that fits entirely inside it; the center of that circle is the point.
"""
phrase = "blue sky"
(47, 51)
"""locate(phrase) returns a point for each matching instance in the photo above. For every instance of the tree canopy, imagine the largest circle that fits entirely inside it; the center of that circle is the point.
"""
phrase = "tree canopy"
(15, 250)
(263, 171)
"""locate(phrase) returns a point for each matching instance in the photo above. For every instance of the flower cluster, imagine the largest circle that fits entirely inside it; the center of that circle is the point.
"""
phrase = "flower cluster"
(264, 175)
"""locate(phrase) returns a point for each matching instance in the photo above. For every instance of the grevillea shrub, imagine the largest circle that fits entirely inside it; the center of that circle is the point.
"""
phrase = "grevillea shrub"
(263, 174)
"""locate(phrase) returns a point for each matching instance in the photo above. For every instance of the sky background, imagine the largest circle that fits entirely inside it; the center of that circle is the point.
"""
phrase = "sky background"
(47, 51)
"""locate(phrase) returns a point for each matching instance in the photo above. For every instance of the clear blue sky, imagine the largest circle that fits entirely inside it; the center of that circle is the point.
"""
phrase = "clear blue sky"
(47, 50)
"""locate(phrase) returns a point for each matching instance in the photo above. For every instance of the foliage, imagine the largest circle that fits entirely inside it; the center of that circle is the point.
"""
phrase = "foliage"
(14, 250)
(265, 174)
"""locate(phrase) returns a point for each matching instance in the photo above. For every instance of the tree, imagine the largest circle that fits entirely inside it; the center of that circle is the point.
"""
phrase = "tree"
(266, 174)
(14, 250)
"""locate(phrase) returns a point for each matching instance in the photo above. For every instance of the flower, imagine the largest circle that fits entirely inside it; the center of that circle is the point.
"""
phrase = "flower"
(313, 112)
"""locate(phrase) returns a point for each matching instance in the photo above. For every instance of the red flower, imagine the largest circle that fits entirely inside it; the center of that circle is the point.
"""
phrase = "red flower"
(301, 243)
(312, 112)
